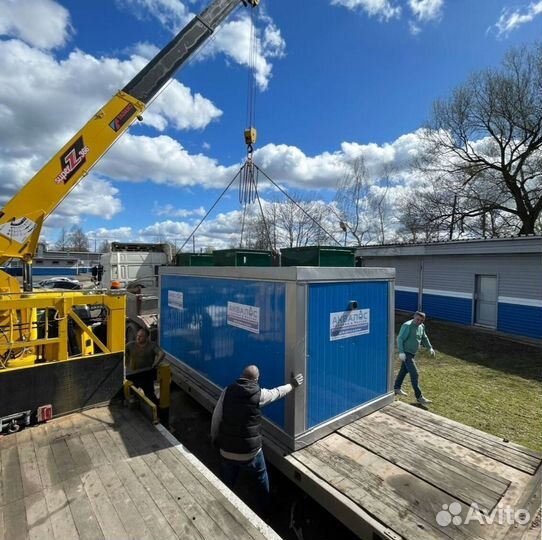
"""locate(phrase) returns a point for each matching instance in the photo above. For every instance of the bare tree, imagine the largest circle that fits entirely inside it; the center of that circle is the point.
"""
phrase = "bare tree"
(363, 203)
(77, 239)
(483, 149)
(294, 222)
(105, 246)
(62, 242)
(352, 198)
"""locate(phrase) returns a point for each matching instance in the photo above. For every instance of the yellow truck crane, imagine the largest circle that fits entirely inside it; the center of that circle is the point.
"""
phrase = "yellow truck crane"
(63, 351)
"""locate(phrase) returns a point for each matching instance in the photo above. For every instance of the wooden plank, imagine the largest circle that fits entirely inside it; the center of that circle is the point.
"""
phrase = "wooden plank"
(135, 441)
(147, 432)
(530, 500)
(102, 507)
(59, 513)
(30, 473)
(15, 526)
(428, 444)
(7, 441)
(93, 449)
(212, 502)
(490, 438)
(463, 432)
(401, 501)
(144, 504)
(79, 454)
(521, 462)
(85, 520)
(39, 435)
(37, 517)
(202, 521)
(446, 474)
(133, 523)
(47, 466)
(174, 514)
(110, 449)
(11, 475)
(65, 464)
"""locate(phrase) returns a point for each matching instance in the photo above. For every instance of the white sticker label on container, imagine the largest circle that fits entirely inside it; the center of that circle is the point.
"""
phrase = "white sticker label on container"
(175, 299)
(243, 316)
(346, 324)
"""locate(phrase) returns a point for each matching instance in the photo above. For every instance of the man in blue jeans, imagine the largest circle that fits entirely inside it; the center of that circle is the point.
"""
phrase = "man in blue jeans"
(236, 426)
(411, 336)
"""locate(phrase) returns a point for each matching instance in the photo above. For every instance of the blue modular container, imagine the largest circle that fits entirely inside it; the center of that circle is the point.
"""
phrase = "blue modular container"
(335, 325)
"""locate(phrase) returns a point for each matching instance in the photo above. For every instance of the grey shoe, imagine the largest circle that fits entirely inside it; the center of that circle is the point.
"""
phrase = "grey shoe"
(400, 392)
(424, 401)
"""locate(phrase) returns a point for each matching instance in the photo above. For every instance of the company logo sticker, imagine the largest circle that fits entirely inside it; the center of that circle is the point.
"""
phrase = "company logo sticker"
(122, 117)
(244, 317)
(346, 324)
(175, 299)
(72, 160)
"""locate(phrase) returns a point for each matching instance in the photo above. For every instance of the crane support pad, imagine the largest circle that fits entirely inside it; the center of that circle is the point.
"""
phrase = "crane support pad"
(68, 386)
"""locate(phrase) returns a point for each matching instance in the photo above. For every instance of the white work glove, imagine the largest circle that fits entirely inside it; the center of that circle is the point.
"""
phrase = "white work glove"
(402, 356)
(297, 380)
(432, 352)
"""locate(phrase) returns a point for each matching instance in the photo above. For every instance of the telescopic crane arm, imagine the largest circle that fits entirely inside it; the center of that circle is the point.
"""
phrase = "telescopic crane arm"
(23, 216)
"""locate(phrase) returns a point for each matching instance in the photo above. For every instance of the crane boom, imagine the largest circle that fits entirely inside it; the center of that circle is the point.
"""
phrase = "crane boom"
(23, 216)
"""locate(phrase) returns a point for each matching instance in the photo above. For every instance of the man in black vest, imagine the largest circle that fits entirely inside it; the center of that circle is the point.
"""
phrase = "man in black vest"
(236, 426)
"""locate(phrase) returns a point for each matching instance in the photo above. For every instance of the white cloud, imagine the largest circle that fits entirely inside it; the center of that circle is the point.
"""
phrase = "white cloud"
(382, 9)
(93, 197)
(115, 234)
(172, 14)
(27, 72)
(512, 20)
(162, 160)
(169, 210)
(40, 23)
(232, 39)
(426, 10)
(97, 197)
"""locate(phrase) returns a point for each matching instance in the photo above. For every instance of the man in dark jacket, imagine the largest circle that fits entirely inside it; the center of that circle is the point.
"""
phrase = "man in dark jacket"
(236, 426)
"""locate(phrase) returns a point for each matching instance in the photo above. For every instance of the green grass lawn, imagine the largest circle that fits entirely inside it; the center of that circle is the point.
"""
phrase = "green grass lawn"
(482, 380)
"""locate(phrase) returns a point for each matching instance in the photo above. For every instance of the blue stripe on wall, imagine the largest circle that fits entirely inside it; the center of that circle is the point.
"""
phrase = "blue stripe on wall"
(406, 300)
(48, 271)
(521, 320)
(448, 308)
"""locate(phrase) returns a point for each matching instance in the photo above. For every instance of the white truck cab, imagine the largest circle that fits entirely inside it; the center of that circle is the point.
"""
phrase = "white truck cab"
(128, 262)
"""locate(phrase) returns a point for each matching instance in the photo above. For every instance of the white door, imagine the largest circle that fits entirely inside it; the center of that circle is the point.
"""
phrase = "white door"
(485, 312)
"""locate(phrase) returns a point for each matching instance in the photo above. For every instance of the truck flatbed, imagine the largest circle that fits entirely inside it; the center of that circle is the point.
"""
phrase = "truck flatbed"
(389, 474)
(107, 473)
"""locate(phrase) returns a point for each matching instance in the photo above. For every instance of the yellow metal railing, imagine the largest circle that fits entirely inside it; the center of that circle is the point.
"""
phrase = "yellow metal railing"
(43, 327)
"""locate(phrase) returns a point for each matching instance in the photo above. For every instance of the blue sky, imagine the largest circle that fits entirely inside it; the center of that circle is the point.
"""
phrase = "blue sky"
(337, 79)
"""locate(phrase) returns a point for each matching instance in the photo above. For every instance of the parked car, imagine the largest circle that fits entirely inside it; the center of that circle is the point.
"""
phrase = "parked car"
(59, 283)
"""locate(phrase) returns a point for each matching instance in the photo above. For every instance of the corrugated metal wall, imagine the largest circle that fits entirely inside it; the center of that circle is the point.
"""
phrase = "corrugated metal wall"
(449, 287)
(344, 373)
(198, 334)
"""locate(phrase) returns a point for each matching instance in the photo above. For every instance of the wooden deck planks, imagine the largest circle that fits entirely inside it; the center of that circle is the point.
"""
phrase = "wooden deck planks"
(401, 469)
(352, 472)
(211, 501)
(108, 474)
(526, 461)
(85, 520)
(461, 481)
(37, 517)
